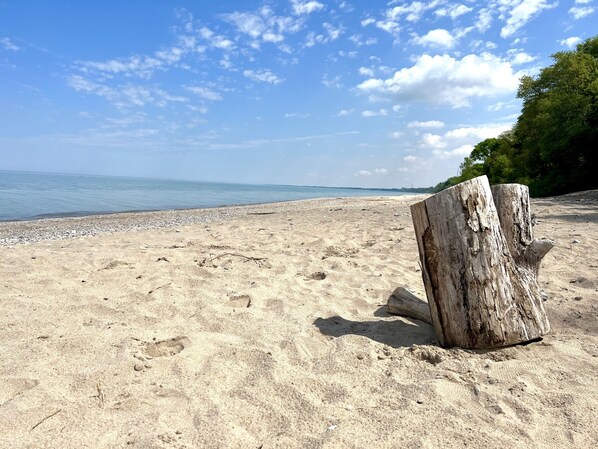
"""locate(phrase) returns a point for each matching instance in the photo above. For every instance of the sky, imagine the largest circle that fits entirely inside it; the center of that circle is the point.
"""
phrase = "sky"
(305, 92)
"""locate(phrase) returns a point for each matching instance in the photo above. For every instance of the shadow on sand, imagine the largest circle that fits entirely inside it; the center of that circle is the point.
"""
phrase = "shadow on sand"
(396, 333)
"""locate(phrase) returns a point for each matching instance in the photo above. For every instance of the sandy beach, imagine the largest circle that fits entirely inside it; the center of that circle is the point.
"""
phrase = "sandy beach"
(265, 327)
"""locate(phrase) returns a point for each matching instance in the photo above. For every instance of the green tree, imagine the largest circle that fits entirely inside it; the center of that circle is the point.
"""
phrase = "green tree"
(503, 161)
(557, 128)
(495, 157)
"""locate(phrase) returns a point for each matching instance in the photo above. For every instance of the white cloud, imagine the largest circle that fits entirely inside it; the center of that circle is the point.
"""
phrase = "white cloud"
(141, 66)
(82, 84)
(427, 124)
(389, 26)
(262, 76)
(432, 141)
(499, 106)
(215, 40)
(226, 63)
(205, 93)
(312, 39)
(344, 112)
(378, 113)
(435, 38)
(579, 12)
(522, 58)
(521, 13)
(462, 151)
(365, 71)
(303, 7)
(269, 36)
(377, 171)
(262, 142)
(332, 82)
(411, 12)
(395, 134)
(333, 32)
(453, 11)
(296, 115)
(144, 66)
(247, 23)
(8, 44)
(410, 158)
(200, 109)
(484, 20)
(442, 79)
(263, 25)
(460, 141)
(477, 132)
(174, 54)
(349, 54)
(359, 40)
(125, 96)
(570, 41)
(368, 21)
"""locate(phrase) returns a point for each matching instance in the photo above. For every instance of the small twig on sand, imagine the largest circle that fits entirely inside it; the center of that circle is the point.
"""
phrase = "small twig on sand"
(158, 288)
(47, 417)
(101, 396)
(258, 260)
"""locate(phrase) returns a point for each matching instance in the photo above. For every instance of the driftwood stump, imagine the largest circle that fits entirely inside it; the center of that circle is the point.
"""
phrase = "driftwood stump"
(481, 278)
(513, 208)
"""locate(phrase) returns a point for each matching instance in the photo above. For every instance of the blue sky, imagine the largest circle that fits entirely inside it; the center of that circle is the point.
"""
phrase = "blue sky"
(339, 93)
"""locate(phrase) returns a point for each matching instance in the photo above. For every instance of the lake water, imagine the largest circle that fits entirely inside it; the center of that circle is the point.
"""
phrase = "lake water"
(25, 195)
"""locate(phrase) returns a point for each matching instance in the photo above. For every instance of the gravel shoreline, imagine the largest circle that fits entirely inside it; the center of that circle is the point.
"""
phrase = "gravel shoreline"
(32, 231)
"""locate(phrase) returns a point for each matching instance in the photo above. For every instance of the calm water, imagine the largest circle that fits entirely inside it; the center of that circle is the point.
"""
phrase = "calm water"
(34, 195)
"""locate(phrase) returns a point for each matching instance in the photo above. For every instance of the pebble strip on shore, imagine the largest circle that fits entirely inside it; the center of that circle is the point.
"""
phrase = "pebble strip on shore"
(32, 231)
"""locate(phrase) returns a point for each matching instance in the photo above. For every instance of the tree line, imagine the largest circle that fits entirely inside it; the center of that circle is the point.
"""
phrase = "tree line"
(553, 146)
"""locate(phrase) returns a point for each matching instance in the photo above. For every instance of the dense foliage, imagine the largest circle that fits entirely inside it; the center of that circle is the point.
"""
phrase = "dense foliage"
(553, 147)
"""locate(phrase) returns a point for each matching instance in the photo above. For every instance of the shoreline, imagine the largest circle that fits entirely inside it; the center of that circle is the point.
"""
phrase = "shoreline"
(61, 228)
(15, 232)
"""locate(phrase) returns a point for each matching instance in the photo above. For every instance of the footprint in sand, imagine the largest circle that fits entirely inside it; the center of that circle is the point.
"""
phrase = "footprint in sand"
(166, 348)
(14, 387)
(583, 283)
(115, 264)
(317, 276)
(348, 250)
(239, 301)
(309, 347)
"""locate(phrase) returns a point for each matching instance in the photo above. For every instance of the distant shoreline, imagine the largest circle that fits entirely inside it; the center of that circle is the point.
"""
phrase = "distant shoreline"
(16, 232)
(146, 178)
(32, 196)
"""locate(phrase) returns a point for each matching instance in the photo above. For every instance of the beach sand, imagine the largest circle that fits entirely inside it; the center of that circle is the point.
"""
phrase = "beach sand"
(264, 327)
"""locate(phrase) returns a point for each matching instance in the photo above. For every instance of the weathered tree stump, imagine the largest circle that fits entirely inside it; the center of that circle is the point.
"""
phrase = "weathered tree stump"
(482, 287)
(513, 207)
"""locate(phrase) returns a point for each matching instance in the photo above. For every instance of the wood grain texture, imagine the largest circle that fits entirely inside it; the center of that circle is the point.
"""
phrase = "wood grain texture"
(404, 303)
(478, 296)
(513, 208)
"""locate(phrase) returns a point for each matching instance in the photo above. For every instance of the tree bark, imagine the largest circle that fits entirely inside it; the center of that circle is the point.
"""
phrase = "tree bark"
(478, 295)
(513, 207)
